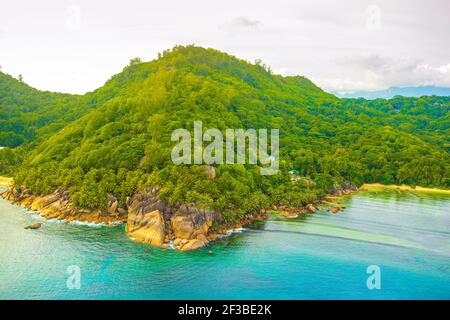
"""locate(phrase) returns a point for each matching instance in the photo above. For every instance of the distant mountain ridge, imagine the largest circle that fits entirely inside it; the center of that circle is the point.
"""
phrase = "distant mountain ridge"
(398, 91)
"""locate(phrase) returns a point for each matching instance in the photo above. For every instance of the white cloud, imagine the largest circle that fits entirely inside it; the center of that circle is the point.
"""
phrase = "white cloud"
(444, 69)
(326, 40)
(239, 23)
(379, 63)
(371, 81)
(377, 72)
(281, 71)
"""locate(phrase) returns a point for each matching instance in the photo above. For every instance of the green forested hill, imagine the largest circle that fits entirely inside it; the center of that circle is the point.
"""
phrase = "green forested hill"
(427, 117)
(118, 137)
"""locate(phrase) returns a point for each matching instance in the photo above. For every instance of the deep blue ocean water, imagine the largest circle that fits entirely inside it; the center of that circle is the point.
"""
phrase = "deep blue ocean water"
(319, 256)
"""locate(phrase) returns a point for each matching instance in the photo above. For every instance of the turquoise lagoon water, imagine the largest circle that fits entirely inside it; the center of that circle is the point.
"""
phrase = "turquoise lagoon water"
(319, 256)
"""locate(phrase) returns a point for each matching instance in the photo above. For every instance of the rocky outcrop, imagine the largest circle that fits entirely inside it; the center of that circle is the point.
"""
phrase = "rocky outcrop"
(210, 172)
(147, 227)
(193, 244)
(340, 190)
(152, 220)
(188, 221)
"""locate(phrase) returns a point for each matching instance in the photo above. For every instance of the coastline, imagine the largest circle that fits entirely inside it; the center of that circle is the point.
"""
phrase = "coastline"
(57, 206)
(379, 186)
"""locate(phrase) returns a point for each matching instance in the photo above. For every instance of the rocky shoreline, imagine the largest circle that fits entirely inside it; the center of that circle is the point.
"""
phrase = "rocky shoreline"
(57, 205)
(149, 219)
(329, 201)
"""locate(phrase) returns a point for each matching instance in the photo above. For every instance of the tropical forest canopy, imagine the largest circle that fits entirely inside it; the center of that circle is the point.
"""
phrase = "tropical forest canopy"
(117, 138)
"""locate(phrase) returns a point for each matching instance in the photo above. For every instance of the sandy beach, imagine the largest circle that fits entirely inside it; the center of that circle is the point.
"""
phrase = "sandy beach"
(4, 181)
(373, 186)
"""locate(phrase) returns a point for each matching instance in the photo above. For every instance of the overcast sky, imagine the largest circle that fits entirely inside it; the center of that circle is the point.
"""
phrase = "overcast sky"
(75, 46)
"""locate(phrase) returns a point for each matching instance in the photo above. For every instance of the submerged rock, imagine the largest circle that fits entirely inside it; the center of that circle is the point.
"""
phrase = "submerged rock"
(190, 225)
(57, 205)
(34, 226)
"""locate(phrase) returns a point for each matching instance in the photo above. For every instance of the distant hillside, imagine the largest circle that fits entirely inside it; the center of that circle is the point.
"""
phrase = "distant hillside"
(119, 140)
(27, 113)
(398, 91)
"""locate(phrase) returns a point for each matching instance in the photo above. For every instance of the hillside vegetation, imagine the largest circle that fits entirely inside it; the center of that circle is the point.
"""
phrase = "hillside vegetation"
(27, 113)
(117, 138)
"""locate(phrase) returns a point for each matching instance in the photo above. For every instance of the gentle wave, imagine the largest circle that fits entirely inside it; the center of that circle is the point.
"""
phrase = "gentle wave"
(38, 216)
(230, 232)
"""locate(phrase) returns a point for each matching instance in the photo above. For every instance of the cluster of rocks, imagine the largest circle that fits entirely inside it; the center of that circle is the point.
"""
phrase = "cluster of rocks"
(341, 190)
(292, 213)
(154, 221)
(113, 208)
